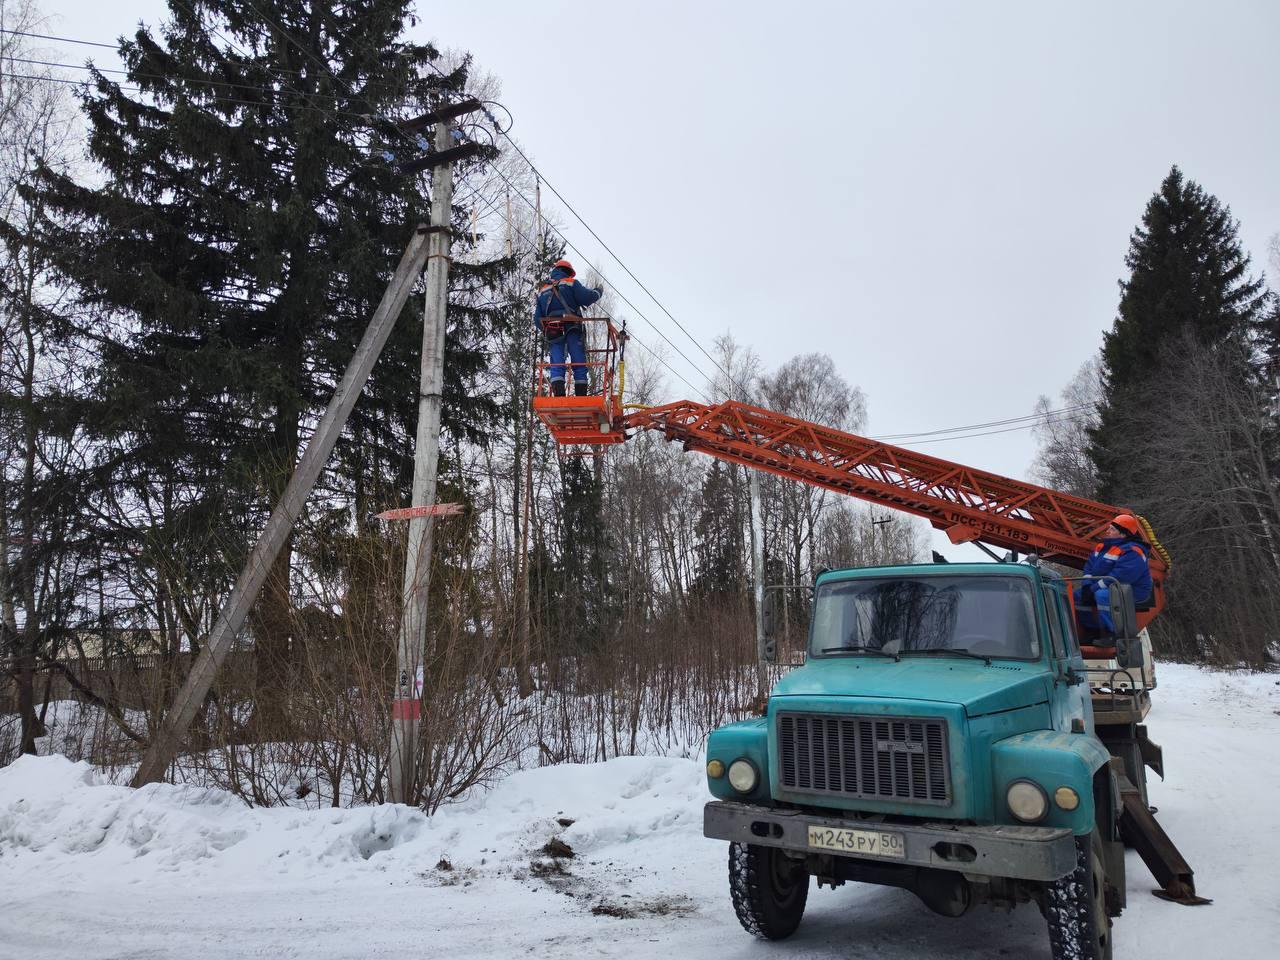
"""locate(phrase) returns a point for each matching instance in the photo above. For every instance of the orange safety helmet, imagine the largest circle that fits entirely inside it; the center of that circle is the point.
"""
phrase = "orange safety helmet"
(1128, 523)
(566, 265)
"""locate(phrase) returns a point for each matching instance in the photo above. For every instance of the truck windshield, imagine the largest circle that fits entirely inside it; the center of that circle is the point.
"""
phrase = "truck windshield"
(988, 616)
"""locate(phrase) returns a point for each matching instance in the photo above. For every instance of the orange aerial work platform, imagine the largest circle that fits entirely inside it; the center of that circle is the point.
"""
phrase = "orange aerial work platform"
(595, 419)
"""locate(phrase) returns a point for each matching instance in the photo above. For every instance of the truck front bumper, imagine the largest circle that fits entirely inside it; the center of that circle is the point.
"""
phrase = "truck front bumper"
(1026, 853)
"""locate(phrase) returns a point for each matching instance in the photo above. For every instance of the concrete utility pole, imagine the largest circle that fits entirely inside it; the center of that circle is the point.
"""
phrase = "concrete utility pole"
(757, 569)
(406, 705)
(168, 739)
(879, 551)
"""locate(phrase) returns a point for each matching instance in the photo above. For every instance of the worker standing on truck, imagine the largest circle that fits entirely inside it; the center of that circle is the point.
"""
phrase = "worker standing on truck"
(1123, 556)
(560, 297)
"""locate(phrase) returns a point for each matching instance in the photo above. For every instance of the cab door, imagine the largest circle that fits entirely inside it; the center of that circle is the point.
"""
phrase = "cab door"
(1070, 700)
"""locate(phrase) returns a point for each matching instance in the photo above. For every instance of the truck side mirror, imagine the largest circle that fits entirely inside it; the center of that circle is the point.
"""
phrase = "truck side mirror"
(1124, 616)
(769, 613)
(769, 624)
(1129, 653)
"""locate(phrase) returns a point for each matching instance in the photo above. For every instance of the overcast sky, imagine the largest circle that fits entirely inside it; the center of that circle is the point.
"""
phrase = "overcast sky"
(938, 195)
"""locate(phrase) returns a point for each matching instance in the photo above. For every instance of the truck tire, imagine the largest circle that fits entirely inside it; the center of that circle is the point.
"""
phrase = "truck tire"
(1076, 906)
(769, 890)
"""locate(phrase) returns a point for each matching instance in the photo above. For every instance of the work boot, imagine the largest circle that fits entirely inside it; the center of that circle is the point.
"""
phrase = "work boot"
(581, 388)
(557, 388)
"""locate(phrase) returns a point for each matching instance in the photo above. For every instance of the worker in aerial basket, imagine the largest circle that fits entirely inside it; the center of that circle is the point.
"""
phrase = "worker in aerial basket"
(1122, 555)
(563, 296)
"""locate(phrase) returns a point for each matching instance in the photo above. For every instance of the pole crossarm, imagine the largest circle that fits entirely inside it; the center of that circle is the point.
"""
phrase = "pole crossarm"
(965, 503)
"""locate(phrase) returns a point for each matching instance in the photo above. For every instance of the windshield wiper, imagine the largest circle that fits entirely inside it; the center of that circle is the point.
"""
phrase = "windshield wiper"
(958, 651)
(861, 648)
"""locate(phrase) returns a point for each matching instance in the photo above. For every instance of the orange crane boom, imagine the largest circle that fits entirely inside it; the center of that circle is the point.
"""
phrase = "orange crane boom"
(967, 504)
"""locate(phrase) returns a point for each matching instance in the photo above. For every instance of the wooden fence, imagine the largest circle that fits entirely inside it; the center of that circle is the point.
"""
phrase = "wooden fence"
(133, 682)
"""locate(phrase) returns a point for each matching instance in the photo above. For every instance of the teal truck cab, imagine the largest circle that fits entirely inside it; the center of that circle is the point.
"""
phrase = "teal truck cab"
(939, 737)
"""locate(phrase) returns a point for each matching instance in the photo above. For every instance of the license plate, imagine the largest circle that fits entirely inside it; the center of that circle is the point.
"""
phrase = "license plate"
(871, 843)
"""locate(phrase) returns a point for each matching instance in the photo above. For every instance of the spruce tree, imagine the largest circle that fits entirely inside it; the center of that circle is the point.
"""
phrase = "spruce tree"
(1188, 273)
(588, 608)
(249, 218)
(719, 545)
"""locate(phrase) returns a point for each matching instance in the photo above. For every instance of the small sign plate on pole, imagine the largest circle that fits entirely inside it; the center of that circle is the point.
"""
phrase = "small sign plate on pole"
(413, 513)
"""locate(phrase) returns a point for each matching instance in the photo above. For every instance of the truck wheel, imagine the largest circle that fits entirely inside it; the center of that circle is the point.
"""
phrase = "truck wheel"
(769, 890)
(1076, 906)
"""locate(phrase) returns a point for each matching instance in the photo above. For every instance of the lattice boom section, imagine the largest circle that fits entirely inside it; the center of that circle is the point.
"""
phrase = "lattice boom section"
(969, 504)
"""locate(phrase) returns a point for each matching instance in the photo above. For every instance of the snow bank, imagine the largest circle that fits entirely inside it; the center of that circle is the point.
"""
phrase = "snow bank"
(54, 811)
(601, 859)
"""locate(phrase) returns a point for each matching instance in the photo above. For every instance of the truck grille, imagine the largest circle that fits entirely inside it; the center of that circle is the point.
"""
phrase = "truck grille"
(897, 758)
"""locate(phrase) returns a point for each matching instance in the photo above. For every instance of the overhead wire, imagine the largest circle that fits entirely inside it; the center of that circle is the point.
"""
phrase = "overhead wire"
(221, 98)
(732, 381)
(661, 306)
(67, 80)
(287, 35)
(948, 433)
(556, 230)
(212, 96)
(988, 433)
(1046, 416)
(640, 343)
(279, 71)
(625, 299)
(932, 436)
(45, 36)
(929, 436)
(115, 47)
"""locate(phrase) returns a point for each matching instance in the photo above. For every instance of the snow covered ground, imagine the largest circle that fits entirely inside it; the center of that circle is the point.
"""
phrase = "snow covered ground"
(90, 870)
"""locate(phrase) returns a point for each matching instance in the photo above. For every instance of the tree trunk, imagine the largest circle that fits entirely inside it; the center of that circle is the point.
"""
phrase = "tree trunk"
(29, 638)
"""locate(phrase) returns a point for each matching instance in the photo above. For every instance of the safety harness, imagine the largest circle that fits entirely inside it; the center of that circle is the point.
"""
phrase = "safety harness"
(553, 327)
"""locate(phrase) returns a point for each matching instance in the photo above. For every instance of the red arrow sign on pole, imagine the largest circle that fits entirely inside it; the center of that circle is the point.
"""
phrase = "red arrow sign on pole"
(412, 513)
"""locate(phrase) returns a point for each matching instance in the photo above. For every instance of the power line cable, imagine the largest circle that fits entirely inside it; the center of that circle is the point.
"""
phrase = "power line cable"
(287, 35)
(220, 98)
(1026, 422)
(1037, 418)
(45, 36)
(989, 433)
(367, 143)
(116, 46)
(626, 269)
(210, 97)
(533, 167)
(640, 343)
(1046, 417)
(186, 80)
(67, 80)
(578, 252)
(919, 437)
(324, 65)
(625, 299)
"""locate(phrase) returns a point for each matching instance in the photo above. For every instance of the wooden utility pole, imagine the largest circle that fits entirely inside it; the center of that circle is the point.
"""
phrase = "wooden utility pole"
(168, 739)
(411, 653)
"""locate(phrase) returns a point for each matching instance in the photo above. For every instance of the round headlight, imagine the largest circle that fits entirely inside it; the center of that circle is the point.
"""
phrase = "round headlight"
(715, 769)
(1066, 798)
(742, 776)
(1027, 801)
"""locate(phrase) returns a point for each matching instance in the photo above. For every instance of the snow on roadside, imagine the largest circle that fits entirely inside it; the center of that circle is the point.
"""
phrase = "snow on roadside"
(90, 869)
(53, 811)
